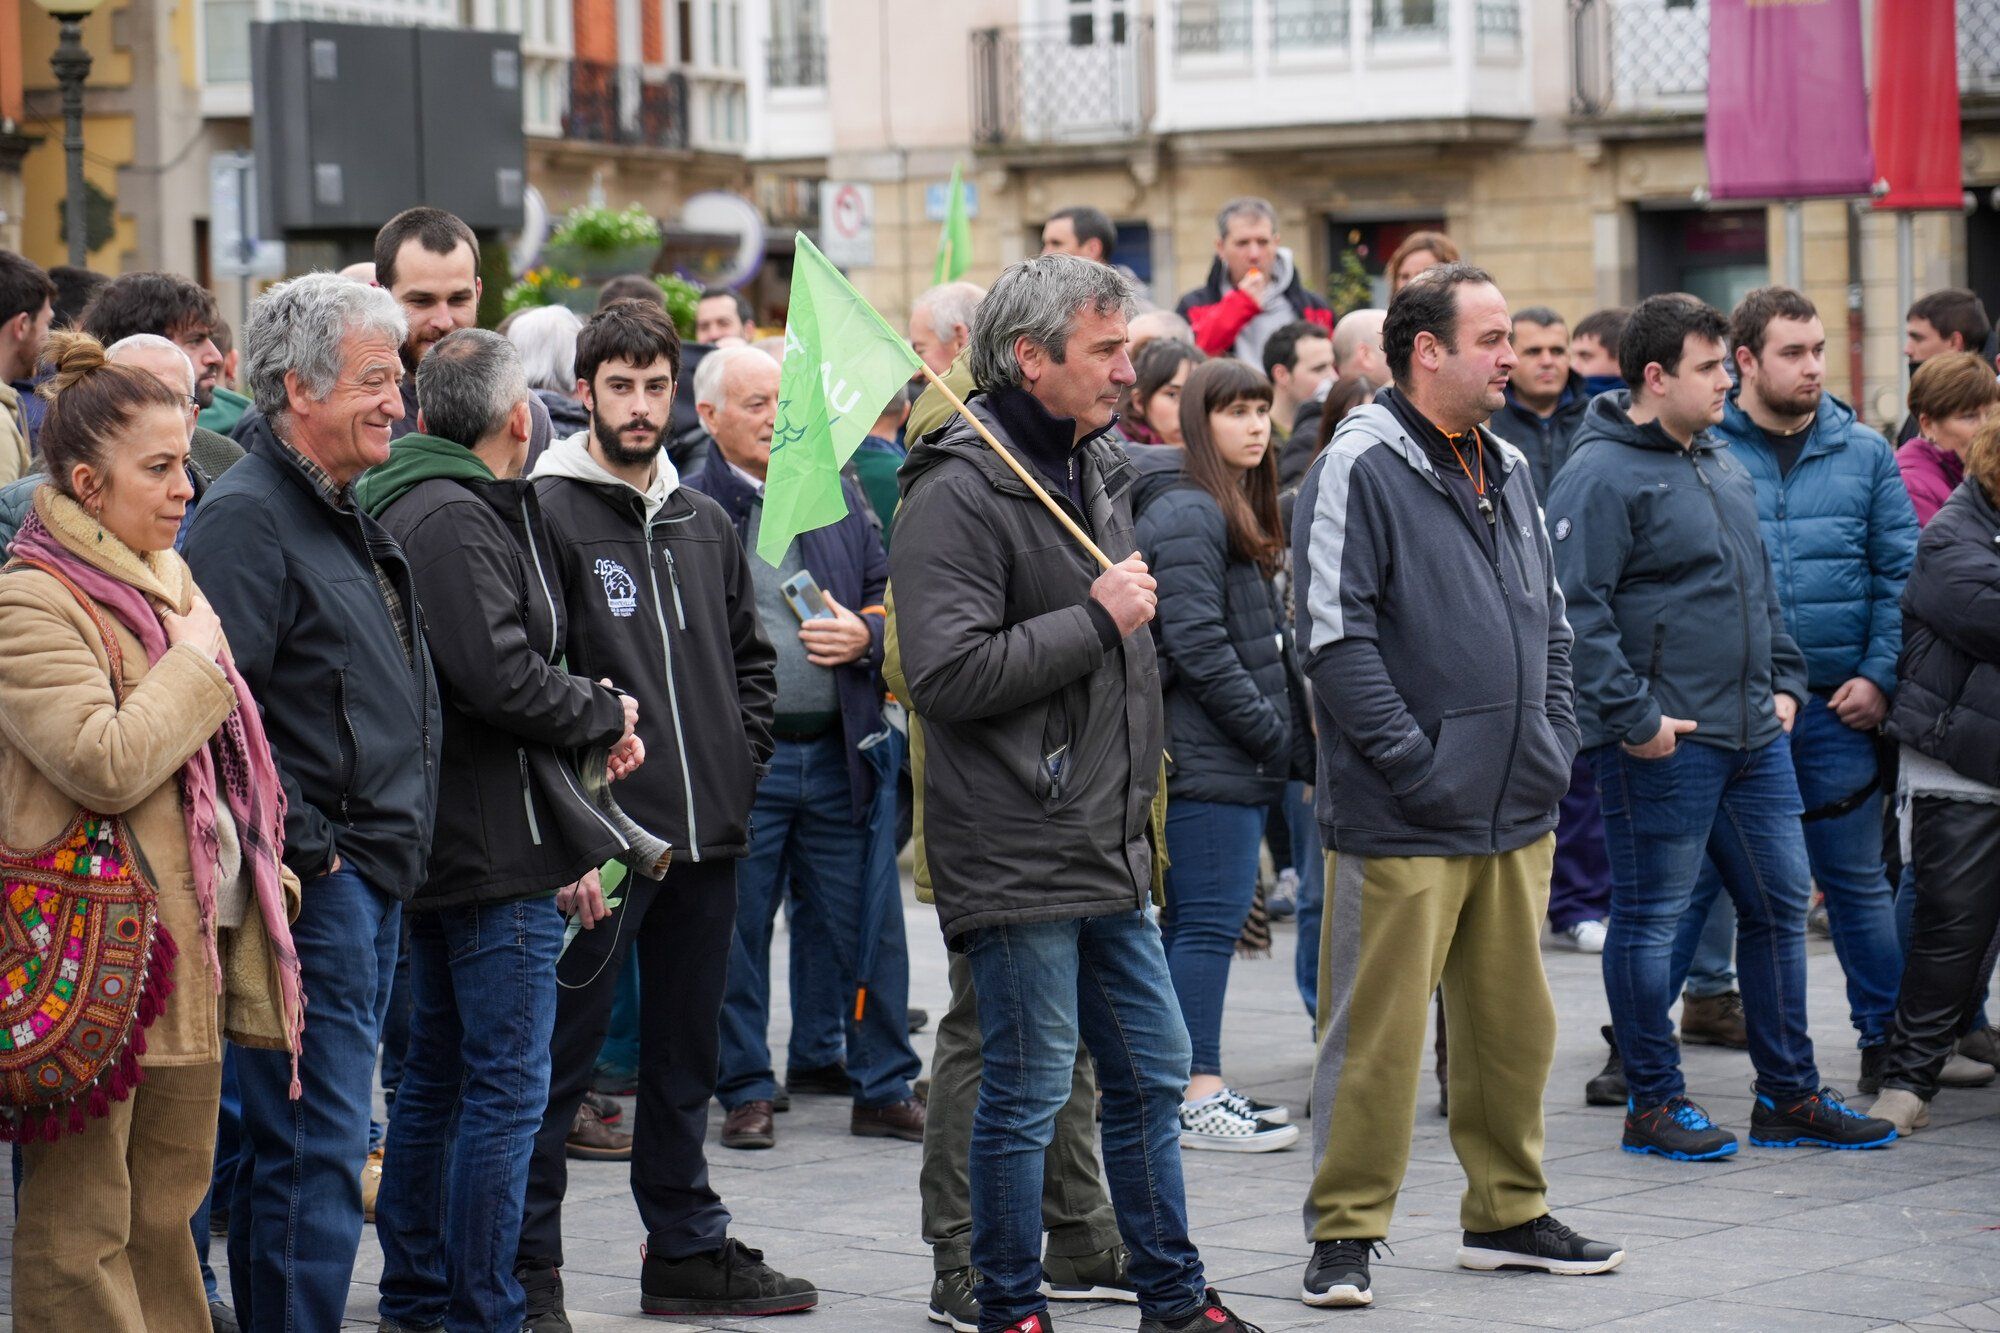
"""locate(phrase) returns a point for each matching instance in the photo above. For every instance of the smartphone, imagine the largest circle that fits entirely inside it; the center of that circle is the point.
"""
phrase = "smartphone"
(802, 594)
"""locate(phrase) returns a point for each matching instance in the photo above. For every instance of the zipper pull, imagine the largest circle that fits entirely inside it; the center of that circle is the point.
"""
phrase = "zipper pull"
(674, 577)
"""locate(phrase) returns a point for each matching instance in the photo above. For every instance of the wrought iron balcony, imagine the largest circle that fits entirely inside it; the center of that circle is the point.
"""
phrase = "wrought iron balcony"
(1078, 82)
(798, 61)
(623, 104)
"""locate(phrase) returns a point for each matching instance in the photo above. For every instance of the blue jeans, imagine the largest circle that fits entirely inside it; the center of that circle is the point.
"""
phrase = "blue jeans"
(1040, 987)
(1705, 947)
(1309, 859)
(482, 1010)
(222, 1176)
(1833, 761)
(819, 1035)
(295, 1223)
(1662, 817)
(621, 1041)
(801, 825)
(1211, 884)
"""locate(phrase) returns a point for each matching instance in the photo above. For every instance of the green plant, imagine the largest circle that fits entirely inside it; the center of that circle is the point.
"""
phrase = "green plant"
(1349, 287)
(682, 298)
(536, 287)
(603, 229)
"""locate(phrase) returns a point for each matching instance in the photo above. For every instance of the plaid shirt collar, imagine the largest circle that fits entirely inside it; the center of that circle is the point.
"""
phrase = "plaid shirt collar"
(332, 492)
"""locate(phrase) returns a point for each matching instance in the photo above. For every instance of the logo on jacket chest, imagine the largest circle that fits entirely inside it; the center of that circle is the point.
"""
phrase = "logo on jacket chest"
(621, 594)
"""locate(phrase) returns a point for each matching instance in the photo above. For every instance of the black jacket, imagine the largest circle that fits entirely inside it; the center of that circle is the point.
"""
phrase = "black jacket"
(353, 721)
(663, 606)
(1948, 691)
(1042, 729)
(512, 817)
(1225, 654)
(1669, 587)
(1545, 441)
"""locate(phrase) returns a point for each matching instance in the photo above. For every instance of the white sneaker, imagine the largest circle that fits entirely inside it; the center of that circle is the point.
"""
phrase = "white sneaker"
(1282, 902)
(1216, 1125)
(1269, 1112)
(1586, 936)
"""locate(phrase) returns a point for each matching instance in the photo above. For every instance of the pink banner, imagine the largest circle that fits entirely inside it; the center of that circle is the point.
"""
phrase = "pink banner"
(1787, 100)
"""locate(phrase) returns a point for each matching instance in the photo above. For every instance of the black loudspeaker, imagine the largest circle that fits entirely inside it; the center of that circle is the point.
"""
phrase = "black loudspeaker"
(352, 123)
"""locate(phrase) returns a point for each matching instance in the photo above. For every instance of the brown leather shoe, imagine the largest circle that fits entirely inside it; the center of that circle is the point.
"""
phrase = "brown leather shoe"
(898, 1120)
(1715, 1020)
(750, 1126)
(607, 1108)
(594, 1141)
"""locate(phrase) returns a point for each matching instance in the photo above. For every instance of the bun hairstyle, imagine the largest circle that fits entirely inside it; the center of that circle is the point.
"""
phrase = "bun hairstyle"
(90, 398)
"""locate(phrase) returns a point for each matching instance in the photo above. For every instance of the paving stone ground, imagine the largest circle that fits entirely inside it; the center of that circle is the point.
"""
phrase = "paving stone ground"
(1766, 1240)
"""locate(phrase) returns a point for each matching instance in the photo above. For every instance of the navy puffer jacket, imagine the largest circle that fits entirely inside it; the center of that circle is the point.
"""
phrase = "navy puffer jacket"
(1225, 653)
(1949, 703)
(1841, 533)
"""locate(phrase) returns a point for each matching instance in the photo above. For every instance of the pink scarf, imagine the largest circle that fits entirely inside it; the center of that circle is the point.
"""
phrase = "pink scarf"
(256, 799)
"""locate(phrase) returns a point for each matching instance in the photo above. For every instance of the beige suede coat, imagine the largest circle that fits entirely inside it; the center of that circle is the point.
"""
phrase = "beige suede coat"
(66, 742)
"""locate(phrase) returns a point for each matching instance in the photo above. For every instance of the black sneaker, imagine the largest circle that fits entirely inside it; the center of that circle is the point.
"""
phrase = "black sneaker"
(952, 1301)
(733, 1280)
(1872, 1058)
(1544, 1243)
(819, 1080)
(1337, 1274)
(1608, 1088)
(1089, 1277)
(1212, 1317)
(1821, 1120)
(544, 1289)
(1676, 1128)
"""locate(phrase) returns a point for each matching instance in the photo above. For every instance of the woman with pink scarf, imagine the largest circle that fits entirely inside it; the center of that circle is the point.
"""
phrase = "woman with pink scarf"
(118, 699)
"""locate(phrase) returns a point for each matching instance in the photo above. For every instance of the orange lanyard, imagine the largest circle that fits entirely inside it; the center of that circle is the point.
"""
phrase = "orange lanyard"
(1479, 483)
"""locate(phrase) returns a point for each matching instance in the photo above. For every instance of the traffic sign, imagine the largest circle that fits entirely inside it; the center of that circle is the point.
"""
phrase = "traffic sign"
(847, 223)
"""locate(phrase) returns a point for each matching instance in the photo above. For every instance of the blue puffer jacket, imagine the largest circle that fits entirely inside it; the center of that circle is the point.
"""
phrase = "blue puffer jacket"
(1841, 534)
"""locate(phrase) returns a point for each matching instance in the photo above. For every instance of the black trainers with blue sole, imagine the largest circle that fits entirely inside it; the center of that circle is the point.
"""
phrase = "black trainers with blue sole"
(1821, 1120)
(1676, 1128)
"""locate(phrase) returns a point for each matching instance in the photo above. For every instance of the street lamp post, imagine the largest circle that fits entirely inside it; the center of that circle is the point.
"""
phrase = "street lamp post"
(71, 63)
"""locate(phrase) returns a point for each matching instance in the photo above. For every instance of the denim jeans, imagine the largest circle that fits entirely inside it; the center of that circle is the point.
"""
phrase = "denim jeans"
(1705, 946)
(1309, 859)
(801, 825)
(222, 1176)
(621, 1041)
(295, 1223)
(1833, 761)
(1662, 817)
(819, 1035)
(482, 1009)
(1211, 884)
(1042, 985)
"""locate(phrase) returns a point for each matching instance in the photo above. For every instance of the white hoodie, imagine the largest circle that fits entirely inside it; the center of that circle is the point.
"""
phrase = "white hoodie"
(570, 457)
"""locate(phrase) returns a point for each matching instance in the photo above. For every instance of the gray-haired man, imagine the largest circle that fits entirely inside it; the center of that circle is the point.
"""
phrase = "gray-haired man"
(1040, 701)
(322, 618)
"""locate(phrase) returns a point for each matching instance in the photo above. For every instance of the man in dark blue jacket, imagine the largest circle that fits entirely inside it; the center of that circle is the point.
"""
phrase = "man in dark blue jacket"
(322, 617)
(816, 806)
(1838, 524)
(1686, 682)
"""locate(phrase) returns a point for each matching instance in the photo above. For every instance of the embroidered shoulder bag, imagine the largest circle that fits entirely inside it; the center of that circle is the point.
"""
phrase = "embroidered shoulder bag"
(85, 966)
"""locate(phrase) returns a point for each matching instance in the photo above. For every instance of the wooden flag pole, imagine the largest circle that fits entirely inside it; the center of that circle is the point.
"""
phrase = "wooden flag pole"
(1027, 479)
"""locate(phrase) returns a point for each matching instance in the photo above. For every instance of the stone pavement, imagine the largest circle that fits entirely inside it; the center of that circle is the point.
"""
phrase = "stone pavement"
(1766, 1240)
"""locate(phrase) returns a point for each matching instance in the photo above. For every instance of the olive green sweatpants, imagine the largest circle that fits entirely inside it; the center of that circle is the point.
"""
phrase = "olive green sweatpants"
(1395, 928)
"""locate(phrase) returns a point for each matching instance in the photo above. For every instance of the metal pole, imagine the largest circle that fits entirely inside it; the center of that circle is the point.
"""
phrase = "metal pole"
(1795, 245)
(1906, 286)
(71, 63)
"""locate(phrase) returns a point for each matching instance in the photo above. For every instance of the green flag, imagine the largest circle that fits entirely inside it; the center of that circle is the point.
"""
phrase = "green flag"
(842, 361)
(954, 254)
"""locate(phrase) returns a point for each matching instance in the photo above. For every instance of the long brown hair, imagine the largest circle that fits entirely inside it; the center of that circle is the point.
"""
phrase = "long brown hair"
(1249, 500)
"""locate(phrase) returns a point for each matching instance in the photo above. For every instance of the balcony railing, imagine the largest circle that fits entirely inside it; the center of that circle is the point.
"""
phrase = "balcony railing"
(1295, 27)
(798, 61)
(1640, 57)
(1062, 84)
(623, 104)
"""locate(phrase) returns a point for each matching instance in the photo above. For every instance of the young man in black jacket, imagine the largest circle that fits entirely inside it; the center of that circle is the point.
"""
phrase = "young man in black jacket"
(514, 827)
(656, 594)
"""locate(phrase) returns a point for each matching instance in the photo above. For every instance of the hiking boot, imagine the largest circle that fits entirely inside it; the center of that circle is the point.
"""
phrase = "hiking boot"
(819, 1081)
(952, 1301)
(1872, 1058)
(544, 1292)
(607, 1108)
(1337, 1274)
(1714, 1020)
(898, 1120)
(1981, 1044)
(1819, 1120)
(1608, 1087)
(371, 1183)
(1212, 1317)
(591, 1140)
(733, 1280)
(1903, 1109)
(750, 1126)
(1269, 1112)
(1676, 1128)
(1088, 1277)
(1963, 1071)
(1217, 1125)
(1544, 1243)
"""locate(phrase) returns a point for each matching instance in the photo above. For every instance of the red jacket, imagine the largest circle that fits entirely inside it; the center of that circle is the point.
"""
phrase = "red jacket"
(1218, 315)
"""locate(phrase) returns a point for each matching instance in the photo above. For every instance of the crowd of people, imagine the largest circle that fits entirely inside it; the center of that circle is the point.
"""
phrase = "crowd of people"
(391, 691)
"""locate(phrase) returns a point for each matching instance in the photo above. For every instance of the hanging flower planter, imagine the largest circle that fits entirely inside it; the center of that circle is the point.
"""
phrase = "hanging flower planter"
(599, 243)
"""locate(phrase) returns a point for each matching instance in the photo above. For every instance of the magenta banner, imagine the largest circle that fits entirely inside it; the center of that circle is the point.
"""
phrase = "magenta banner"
(1787, 100)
